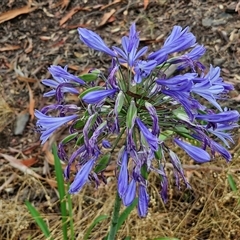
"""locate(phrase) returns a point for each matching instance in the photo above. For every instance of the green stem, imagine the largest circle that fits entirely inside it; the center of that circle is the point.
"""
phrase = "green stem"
(115, 216)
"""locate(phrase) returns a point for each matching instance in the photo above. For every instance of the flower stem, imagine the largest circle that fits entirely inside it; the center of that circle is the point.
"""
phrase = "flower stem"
(115, 216)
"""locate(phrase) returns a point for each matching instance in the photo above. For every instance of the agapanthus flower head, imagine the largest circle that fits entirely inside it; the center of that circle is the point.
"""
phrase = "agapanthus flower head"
(134, 109)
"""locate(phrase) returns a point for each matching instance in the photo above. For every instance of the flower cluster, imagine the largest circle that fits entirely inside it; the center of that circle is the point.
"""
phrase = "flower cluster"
(148, 102)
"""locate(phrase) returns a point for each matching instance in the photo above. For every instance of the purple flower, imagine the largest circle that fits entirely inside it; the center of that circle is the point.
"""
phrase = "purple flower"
(130, 44)
(94, 41)
(207, 91)
(123, 175)
(220, 132)
(178, 83)
(143, 200)
(95, 97)
(153, 113)
(198, 154)
(63, 80)
(178, 167)
(190, 59)
(130, 193)
(76, 153)
(47, 125)
(152, 140)
(143, 69)
(214, 77)
(179, 40)
(215, 147)
(223, 117)
(106, 143)
(94, 138)
(81, 177)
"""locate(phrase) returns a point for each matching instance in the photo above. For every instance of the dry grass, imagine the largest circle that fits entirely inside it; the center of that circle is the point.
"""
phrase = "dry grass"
(209, 211)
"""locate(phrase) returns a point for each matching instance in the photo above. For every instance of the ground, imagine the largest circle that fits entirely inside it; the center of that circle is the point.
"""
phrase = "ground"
(37, 34)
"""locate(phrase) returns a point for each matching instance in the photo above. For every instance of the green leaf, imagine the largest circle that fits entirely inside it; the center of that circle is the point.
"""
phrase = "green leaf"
(79, 124)
(182, 115)
(69, 138)
(39, 220)
(95, 222)
(127, 238)
(89, 77)
(81, 95)
(61, 190)
(123, 216)
(80, 140)
(102, 163)
(144, 171)
(165, 134)
(158, 153)
(232, 183)
(120, 100)
(131, 114)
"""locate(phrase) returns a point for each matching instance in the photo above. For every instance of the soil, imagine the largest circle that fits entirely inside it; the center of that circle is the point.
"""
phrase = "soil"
(37, 34)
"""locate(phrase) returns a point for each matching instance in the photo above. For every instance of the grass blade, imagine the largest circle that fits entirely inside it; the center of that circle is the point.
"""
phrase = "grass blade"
(39, 220)
(232, 183)
(70, 213)
(61, 190)
(95, 222)
(123, 216)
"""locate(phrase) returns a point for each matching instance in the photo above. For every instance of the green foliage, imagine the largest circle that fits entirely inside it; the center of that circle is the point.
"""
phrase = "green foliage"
(94, 223)
(65, 203)
(39, 220)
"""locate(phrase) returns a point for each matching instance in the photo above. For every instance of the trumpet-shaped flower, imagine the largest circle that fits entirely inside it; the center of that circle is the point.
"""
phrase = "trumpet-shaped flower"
(97, 96)
(130, 44)
(152, 140)
(223, 117)
(47, 125)
(123, 175)
(81, 177)
(179, 40)
(143, 199)
(130, 193)
(198, 154)
(143, 69)
(64, 82)
(94, 41)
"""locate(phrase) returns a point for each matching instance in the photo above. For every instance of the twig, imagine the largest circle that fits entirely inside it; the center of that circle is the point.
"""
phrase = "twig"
(204, 168)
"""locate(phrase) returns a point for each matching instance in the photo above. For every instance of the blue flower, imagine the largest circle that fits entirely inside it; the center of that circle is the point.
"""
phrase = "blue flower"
(190, 59)
(130, 193)
(209, 92)
(178, 40)
(63, 81)
(221, 132)
(106, 143)
(130, 44)
(123, 174)
(152, 140)
(47, 125)
(178, 167)
(214, 77)
(223, 117)
(153, 113)
(143, 200)
(143, 69)
(198, 154)
(81, 177)
(94, 41)
(95, 97)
